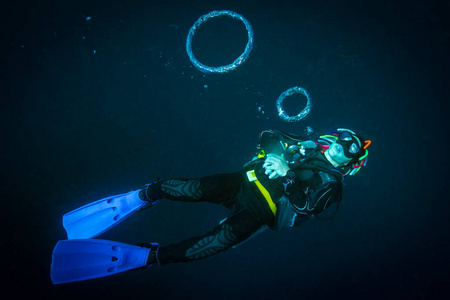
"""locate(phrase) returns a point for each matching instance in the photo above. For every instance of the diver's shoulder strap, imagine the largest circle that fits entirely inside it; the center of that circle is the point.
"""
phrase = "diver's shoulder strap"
(316, 164)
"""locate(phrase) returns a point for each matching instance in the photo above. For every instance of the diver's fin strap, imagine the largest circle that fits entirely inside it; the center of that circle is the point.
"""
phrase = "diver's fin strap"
(251, 175)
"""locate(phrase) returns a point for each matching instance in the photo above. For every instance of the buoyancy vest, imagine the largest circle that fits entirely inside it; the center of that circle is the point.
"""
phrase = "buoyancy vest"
(313, 172)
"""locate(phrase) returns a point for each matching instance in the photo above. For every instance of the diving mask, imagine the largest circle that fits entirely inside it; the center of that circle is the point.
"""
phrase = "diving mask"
(350, 144)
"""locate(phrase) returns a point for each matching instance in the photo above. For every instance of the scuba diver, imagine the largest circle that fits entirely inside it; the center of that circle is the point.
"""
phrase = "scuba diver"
(290, 180)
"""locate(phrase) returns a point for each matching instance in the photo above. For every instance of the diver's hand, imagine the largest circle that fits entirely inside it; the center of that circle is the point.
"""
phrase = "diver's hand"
(276, 166)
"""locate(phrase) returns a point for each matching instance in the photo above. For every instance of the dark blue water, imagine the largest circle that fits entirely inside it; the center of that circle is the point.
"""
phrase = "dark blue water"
(91, 108)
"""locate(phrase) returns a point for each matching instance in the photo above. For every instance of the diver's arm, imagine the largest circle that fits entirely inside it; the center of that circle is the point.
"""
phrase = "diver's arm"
(323, 199)
(331, 193)
(316, 201)
(296, 195)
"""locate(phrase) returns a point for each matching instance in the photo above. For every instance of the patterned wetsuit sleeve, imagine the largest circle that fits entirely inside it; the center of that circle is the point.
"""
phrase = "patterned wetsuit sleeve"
(326, 196)
(297, 196)
(323, 198)
(316, 201)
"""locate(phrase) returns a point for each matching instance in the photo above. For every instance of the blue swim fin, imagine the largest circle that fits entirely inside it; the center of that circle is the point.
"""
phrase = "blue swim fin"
(76, 260)
(97, 217)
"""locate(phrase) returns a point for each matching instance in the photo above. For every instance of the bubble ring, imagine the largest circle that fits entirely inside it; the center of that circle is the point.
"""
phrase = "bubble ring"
(294, 90)
(238, 61)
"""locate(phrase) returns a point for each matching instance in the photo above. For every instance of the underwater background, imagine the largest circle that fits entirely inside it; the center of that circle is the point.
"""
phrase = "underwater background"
(99, 98)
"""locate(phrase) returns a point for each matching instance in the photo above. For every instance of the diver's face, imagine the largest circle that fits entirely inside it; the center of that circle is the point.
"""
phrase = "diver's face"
(336, 153)
(350, 144)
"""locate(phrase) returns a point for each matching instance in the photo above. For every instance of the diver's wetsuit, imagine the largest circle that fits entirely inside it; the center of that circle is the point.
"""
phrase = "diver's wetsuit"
(309, 193)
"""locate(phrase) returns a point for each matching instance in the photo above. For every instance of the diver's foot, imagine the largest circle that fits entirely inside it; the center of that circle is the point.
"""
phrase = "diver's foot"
(153, 254)
(144, 195)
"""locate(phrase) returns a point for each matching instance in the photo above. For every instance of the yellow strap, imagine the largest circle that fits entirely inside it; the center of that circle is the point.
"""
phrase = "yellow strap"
(266, 195)
(252, 178)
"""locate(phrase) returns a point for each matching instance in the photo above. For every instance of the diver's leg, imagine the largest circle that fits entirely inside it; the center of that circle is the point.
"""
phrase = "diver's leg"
(97, 217)
(234, 230)
(219, 188)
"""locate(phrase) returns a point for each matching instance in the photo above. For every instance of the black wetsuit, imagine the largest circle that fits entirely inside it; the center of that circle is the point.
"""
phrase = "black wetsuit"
(310, 191)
